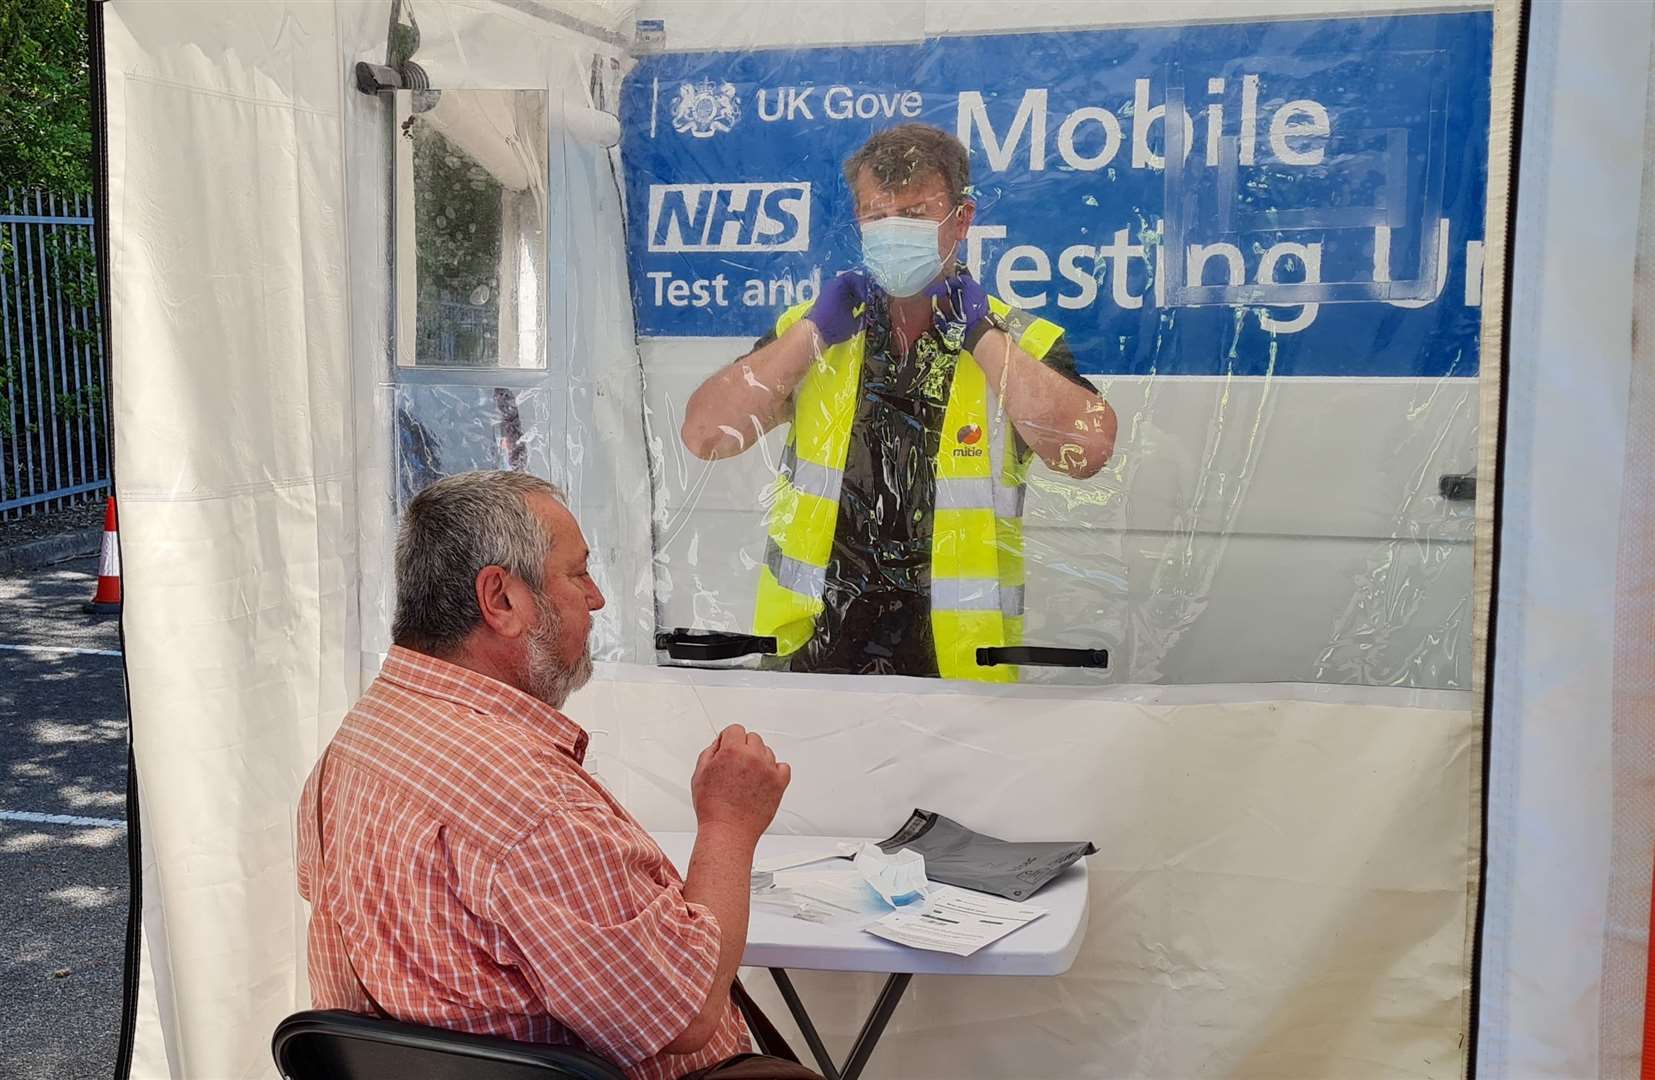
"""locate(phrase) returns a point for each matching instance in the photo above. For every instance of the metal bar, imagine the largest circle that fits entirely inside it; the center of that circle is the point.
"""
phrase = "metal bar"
(34, 500)
(94, 372)
(106, 377)
(48, 400)
(25, 367)
(57, 351)
(44, 219)
(68, 361)
(796, 1006)
(83, 355)
(868, 1038)
(83, 377)
(73, 436)
(7, 366)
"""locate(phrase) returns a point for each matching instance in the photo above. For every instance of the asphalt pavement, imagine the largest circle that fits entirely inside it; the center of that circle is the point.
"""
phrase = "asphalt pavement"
(63, 860)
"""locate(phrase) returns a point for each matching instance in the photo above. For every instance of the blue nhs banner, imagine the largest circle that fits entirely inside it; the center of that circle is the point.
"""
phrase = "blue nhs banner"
(1296, 197)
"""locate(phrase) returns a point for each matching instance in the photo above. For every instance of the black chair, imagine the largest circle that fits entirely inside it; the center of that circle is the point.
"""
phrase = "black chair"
(335, 1045)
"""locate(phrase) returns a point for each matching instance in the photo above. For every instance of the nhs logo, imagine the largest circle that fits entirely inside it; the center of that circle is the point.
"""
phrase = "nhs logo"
(729, 217)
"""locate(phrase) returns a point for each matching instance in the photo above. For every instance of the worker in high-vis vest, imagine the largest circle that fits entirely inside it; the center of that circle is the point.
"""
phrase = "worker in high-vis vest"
(917, 403)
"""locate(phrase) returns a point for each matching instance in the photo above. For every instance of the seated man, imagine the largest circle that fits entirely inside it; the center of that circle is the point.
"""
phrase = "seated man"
(464, 871)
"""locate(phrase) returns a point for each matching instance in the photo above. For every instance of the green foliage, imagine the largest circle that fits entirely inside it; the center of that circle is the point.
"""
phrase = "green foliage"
(45, 95)
(457, 252)
(81, 403)
(8, 387)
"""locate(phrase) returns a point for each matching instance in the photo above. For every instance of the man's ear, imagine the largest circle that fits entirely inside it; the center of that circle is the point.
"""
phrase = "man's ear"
(504, 601)
(963, 216)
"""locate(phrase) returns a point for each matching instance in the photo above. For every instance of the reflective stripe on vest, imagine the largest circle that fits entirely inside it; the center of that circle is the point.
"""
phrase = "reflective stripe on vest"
(977, 531)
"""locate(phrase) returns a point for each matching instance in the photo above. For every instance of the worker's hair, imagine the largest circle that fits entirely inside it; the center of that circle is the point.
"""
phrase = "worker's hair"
(900, 155)
(449, 532)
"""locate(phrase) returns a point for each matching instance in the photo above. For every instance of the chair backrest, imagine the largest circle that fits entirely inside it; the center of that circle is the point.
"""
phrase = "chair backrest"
(334, 1045)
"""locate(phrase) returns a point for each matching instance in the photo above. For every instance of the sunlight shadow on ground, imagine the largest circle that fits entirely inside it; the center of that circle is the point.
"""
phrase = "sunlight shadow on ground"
(85, 897)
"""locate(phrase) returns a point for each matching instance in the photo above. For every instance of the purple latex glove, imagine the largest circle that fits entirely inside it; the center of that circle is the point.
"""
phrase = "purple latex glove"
(959, 304)
(834, 312)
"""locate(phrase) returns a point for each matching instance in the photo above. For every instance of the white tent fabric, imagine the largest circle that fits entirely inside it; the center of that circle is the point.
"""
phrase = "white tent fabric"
(1287, 873)
(1565, 936)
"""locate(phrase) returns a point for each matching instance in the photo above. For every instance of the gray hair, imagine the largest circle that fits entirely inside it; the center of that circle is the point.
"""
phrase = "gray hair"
(450, 532)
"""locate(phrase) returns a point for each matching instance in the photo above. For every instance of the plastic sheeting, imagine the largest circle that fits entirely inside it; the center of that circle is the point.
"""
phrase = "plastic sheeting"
(1287, 870)
(1281, 888)
(1286, 326)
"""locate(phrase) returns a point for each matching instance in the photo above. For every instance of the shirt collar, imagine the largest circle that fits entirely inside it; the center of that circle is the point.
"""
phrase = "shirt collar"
(425, 674)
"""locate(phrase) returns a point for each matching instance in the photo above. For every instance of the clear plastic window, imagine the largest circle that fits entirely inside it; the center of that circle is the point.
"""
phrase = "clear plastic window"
(1282, 324)
(470, 228)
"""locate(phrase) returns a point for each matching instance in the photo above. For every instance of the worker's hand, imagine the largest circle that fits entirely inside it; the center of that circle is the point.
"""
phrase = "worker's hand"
(738, 783)
(959, 304)
(835, 313)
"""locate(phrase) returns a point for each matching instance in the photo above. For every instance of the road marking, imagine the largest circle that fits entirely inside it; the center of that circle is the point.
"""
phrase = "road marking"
(61, 819)
(60, 649)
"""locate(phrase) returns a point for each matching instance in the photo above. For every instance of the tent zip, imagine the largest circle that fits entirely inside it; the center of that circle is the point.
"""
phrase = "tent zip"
(1497, 491)
(97, 73)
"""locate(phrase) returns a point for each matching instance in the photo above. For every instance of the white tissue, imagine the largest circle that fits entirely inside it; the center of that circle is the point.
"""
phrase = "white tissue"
(899, 879)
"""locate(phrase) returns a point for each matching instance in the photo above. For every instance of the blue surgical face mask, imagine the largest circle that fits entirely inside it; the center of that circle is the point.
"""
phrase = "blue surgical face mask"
(901, 253)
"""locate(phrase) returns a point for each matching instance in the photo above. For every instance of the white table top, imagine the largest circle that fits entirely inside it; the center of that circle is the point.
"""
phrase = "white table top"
(1047, 946)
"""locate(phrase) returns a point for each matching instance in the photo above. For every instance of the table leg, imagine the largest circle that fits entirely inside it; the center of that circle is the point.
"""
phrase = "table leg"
(866, 1039)
(796, 1006)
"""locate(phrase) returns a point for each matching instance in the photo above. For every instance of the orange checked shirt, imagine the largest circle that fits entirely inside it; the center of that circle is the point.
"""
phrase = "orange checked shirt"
(478, 879)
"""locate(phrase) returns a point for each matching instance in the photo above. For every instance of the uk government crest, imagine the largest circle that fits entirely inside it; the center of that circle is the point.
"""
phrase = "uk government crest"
(703, 110)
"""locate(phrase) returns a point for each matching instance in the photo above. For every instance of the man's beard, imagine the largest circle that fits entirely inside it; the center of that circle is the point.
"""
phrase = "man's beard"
(547, 679)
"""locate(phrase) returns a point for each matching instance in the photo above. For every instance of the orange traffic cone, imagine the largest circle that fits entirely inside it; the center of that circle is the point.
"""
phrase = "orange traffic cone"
(107, 600)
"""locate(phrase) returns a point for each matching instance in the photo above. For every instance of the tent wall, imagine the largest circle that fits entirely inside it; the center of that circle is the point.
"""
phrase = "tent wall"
(1566, 927)
(232, 421)
(1282, 888)
(1287, 871)
(251, 441)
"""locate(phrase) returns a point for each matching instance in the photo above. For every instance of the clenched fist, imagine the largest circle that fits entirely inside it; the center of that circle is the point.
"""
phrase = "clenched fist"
(738, 782)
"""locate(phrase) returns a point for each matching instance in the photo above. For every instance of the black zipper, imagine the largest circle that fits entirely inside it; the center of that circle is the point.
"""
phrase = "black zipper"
(1496, 487)
(97, 70)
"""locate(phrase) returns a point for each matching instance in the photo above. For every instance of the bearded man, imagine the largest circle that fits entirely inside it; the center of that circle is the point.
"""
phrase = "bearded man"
(464, 870)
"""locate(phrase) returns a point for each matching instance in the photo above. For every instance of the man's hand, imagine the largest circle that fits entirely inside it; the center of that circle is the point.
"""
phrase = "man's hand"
(738, 783)
(834, 313)
(736, 788)
(958, 304)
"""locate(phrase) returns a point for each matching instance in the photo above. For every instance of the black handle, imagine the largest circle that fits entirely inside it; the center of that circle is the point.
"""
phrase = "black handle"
(1458, 487)
(376, 78)
(1043, 656)
(682, 644)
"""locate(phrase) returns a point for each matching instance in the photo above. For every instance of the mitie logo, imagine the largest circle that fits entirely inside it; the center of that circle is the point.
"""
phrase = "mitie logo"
(702, 110)
(968, 437)
(729, 217)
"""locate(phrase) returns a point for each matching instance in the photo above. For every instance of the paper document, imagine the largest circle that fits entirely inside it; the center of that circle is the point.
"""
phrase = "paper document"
(803, 857)
(955, 921)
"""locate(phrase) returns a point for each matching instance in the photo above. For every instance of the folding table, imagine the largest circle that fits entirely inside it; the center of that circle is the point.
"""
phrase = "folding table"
(1047, 946)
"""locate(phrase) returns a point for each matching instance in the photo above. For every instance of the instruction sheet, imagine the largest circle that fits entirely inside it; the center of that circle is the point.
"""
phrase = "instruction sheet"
(955, 921)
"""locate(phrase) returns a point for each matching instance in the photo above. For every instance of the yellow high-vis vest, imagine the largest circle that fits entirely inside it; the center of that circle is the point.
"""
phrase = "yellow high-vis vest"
(977, 526)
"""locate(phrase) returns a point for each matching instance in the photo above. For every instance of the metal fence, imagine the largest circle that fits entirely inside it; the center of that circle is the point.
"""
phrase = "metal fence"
(54, 410)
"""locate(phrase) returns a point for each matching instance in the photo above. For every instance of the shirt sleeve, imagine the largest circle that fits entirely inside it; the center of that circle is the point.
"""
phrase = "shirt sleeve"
(615, 952)
(309, 844)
